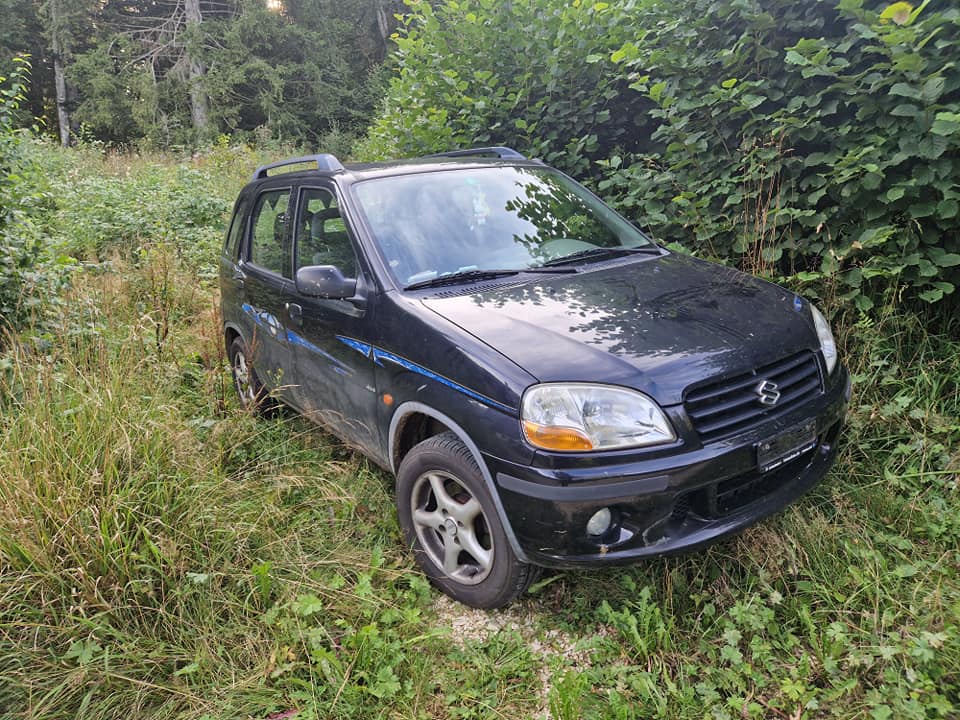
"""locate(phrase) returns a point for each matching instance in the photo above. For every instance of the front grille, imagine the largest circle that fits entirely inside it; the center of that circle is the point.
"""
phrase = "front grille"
(721, 408)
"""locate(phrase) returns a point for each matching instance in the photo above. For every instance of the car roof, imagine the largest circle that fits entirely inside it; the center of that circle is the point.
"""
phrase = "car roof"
(328, 166)
(419, 165)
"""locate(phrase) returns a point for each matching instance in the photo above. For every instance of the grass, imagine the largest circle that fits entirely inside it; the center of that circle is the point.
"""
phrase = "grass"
(164, 554)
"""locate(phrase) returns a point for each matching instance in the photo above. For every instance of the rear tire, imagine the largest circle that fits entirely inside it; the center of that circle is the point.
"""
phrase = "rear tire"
(250, 391)
(449, 519)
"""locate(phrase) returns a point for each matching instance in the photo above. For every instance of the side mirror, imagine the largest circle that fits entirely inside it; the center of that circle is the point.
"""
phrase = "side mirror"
(325, 281)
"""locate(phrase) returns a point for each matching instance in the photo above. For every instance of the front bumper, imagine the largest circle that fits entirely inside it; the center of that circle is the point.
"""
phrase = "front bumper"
(668, 503)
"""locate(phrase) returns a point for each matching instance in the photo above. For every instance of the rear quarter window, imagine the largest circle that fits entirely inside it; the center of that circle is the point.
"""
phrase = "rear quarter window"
(231, 245)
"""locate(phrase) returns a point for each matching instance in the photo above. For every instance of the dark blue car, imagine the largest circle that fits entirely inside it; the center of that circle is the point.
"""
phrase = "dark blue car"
(549, 386)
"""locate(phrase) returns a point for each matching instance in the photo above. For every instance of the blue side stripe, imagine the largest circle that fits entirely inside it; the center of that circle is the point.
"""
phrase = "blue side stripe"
(360, 347)
(260, 317)
(339, 367)
(248, 309)
(295, 339)
(379, 354)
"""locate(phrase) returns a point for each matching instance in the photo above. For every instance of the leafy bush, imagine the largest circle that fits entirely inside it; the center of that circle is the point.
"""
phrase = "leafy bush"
(477, 72)
(839, 152)
(793, 138)
(180, 206)
(28, 277)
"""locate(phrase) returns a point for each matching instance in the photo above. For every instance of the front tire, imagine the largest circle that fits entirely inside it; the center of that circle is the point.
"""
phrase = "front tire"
(449, 520)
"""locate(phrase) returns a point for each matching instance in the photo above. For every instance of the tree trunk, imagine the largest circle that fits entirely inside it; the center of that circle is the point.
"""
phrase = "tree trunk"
(383, 24)
(60, 82)
(199, 102)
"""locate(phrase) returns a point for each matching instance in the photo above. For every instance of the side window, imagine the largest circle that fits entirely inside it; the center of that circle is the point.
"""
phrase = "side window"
(322, 237)
(232, 245)
(268, 242)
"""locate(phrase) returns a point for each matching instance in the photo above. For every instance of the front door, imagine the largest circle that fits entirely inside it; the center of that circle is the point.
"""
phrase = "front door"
(330, 338)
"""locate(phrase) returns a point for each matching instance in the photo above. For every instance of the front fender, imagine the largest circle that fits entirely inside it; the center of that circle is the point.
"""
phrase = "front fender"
(412, 407)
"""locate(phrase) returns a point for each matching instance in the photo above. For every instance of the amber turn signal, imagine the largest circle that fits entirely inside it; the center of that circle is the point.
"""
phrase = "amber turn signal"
(556, 438)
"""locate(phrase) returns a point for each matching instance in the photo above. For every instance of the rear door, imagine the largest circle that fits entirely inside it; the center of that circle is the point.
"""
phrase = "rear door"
(331, 338)
(231, 276)
(266, 279)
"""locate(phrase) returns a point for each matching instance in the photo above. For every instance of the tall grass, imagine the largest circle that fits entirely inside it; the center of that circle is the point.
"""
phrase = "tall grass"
(142, 528)
(105, 507)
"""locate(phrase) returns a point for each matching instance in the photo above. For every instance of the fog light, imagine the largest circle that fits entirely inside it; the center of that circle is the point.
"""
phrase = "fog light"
(599, 522)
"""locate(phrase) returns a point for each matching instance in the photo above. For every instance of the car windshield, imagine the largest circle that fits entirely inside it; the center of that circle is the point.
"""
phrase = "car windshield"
(435, 224)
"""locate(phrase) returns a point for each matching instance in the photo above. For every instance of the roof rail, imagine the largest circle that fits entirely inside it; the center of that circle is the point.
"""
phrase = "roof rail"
(325, 162)
(496, 151)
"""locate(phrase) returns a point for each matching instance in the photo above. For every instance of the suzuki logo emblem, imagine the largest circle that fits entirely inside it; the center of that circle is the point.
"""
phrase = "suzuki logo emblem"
(768, 392)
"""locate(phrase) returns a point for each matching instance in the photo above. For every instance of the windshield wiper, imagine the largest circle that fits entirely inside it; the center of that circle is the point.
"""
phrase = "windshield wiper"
(602, 252)
(470, 275)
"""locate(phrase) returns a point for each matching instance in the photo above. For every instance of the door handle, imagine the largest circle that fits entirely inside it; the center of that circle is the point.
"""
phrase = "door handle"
(295, 313)
(238, 278)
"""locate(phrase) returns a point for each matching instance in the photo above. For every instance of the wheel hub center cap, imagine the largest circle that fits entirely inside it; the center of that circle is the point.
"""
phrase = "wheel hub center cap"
(450, 525)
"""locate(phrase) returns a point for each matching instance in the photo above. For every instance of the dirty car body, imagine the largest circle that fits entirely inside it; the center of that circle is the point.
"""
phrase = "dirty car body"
(619, 400)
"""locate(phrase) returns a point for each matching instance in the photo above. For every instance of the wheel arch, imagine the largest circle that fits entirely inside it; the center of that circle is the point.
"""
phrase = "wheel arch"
(408, 412)
(230, 332)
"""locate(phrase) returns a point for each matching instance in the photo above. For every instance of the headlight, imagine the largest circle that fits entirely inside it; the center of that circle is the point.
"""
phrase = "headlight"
(572, 417)
(827, 345)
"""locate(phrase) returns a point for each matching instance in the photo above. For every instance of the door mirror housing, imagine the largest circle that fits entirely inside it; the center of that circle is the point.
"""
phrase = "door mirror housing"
(325, 281)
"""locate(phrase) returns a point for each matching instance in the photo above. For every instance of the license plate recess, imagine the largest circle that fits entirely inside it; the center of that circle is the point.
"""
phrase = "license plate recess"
(786, 446)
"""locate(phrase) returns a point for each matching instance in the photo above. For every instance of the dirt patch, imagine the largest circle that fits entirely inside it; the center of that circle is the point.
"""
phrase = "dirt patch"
(469, 625)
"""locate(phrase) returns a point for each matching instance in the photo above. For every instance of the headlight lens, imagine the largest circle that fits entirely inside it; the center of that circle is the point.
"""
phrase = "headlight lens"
(827, 345)
(577, 417)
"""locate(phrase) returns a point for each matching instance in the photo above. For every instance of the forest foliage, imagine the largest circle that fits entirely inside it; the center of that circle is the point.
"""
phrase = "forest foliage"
(819, 140)
(167, 73)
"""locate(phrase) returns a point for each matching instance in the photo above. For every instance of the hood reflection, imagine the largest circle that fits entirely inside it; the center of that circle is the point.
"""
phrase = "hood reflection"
(656, 324)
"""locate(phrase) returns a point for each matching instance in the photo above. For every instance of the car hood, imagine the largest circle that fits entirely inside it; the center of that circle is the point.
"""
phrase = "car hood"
(655, 324)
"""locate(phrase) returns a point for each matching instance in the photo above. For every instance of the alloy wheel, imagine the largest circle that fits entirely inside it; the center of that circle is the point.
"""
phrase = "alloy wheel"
(242, 380)
(452, 528)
